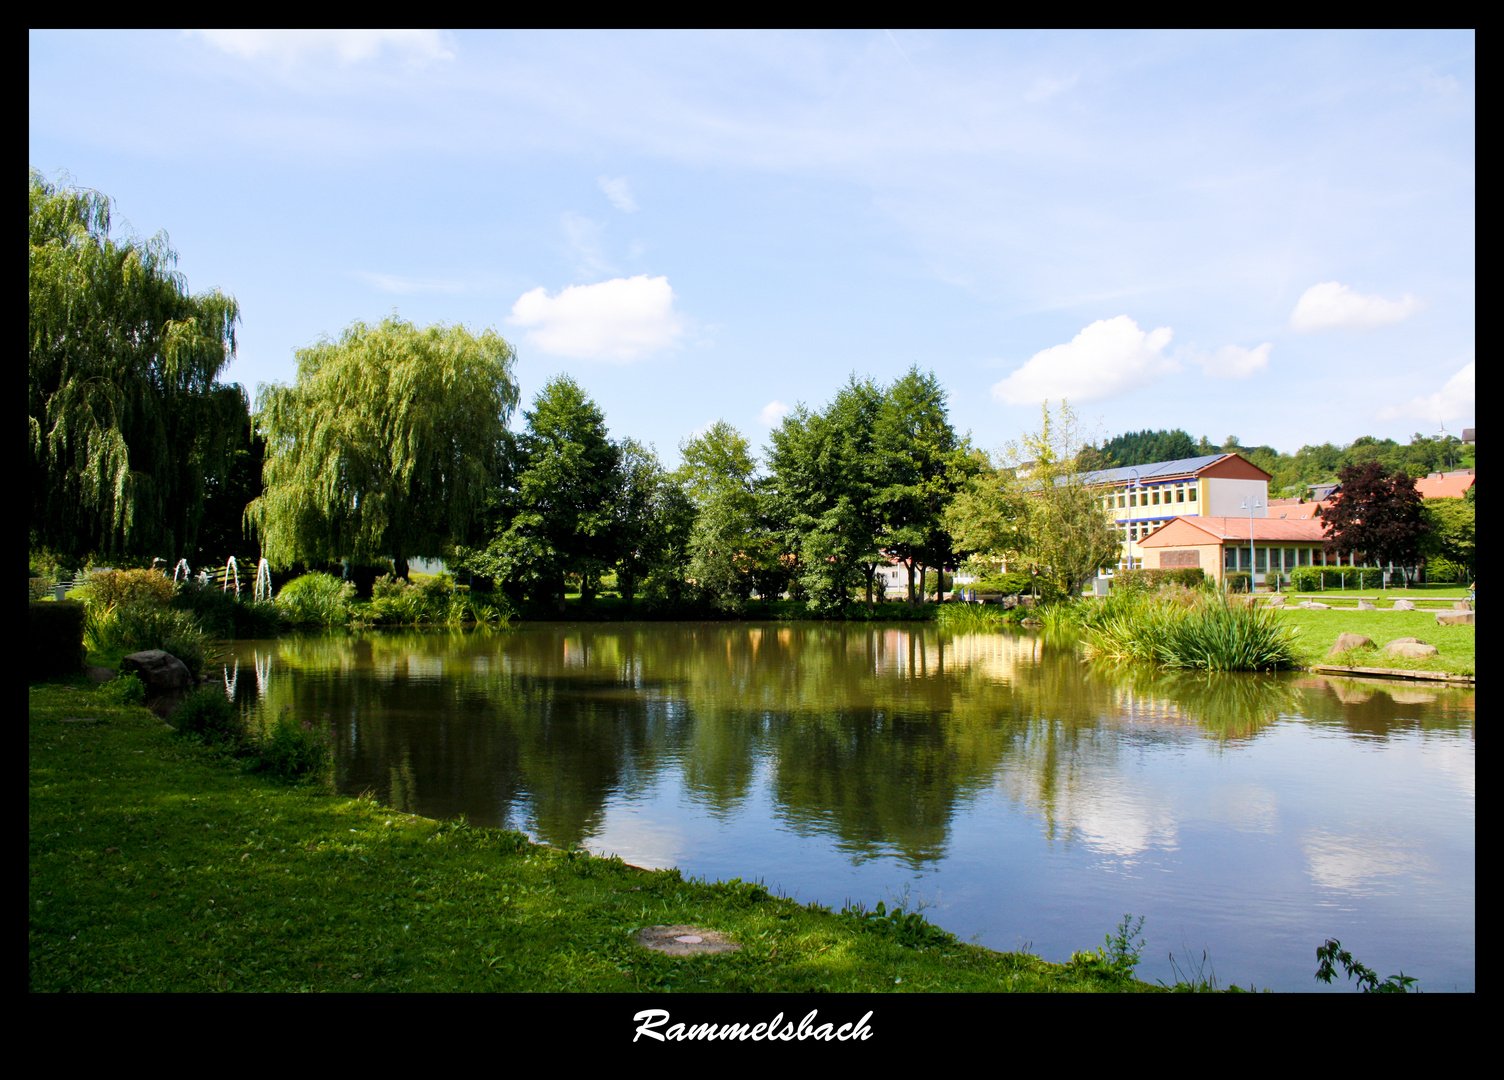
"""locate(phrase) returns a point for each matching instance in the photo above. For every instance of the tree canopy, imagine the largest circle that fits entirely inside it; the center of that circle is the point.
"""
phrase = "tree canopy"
(1377, 515)
(386, 444)
(127, 417)
(558, 514)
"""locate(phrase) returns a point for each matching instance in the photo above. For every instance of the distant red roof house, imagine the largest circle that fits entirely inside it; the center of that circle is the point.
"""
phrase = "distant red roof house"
(1444, 486)
(1220, 544)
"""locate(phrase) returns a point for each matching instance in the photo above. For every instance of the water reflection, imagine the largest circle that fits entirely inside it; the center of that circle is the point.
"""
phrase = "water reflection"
(1034, 785)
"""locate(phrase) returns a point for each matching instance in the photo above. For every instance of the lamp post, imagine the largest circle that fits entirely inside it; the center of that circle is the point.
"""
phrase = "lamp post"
(1256, 506)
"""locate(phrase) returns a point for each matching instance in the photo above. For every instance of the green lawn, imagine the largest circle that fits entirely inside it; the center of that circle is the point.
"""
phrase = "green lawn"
(1318, 630)
(156, 865)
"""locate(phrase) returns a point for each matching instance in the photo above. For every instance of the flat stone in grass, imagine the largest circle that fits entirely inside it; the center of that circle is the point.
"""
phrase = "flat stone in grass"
(1462, 605)
(1409, 646)
(684, 940)
(1345, 642)
(1404, 605)
(1365, 605)
(1315, 605)
(1455, 618)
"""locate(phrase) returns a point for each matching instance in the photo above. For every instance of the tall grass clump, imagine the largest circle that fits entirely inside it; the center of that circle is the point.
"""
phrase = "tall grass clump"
(226, 614)
(316, 599)
(1201, 632)
(976, 618)
(127, 611)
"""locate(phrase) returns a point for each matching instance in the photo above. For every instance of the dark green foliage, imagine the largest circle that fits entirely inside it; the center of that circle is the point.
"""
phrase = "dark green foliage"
(211, 716)
(1144, 447)
(1441, 572)
(224, 614)
(1305, 578)
(126, 415)
(906, 927)
(55, 629)
(1238, 581)
(1119, 954)
(1368, 980)
(125, 688)
(289, 748)
(1003, 584)
(1191, 577)
(1352, 577)
(316, 599)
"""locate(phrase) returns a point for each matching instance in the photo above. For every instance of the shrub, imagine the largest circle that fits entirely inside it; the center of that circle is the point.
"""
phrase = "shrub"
(290, 748)
(56, 632)
(112, 588)
(1238, 581)
(1442, 571)
(1305, 578)
(210, 715)
(140, 626)
(1003, 584)
(316, 599)
(1205, 633)
(1356, 577)
(224, 614)
(126, 688)
(1149, 580)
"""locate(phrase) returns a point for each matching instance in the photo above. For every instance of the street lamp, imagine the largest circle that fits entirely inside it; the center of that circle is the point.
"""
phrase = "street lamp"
(1256, 506)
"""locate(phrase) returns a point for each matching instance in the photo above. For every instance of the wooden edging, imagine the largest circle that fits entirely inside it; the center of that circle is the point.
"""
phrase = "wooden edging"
(1393, 673)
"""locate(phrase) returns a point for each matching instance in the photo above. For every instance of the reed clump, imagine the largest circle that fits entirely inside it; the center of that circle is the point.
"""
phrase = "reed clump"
(1192, 629)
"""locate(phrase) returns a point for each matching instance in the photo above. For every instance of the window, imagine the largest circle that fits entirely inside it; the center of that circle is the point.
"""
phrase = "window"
(1156, 496)
(1290, 562)
(1180, 494)
(1261, 560)
(1191, 495)
(1230, 558)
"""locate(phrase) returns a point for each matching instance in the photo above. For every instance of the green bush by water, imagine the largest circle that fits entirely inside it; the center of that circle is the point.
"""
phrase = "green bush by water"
(316, 599)
(1201, 632)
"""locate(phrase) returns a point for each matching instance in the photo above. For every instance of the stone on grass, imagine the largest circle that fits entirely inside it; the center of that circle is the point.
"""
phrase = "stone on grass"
(1276, 601)
(1316, 605)
(1404, 605)
(1462, 605)
(160, 671)
(1345, 642)
(685, 940)
(1366, 605)
(1455, 618)
(1411, 647)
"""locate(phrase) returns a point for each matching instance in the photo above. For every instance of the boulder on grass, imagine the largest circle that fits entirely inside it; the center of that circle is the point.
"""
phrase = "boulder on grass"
(1316, 605)
(1365, 605)
(1404, 605)
(1345, 642)
(159, 671)
(1411, 647)
(1462, 605)
(1455, 618)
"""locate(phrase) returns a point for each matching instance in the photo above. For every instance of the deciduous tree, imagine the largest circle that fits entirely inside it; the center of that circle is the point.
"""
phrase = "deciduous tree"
(386, 444)
(126, 414)
(1377, 515)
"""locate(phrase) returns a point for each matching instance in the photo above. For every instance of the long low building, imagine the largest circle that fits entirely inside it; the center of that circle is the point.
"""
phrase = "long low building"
(1220, 545)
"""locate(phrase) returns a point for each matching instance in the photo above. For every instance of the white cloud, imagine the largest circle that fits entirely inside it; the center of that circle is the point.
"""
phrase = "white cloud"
(349, 46)
(618, 192)
(1456, 400)
(621, 319)
(1235, 362)
(774, 412)
(1333, 306)
(1109, 357)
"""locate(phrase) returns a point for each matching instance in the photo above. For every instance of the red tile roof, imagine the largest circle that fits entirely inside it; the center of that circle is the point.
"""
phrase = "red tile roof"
(1444, 487)
(1213, 530)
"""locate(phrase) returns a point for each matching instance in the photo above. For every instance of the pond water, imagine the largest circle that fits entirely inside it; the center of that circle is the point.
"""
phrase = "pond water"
(1024, 798)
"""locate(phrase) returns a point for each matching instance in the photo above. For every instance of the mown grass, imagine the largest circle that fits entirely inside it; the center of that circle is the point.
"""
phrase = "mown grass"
(156, 865)
(1319, 630)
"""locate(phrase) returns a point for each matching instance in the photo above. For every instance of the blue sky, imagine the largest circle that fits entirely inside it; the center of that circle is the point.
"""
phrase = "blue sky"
(1262, 234)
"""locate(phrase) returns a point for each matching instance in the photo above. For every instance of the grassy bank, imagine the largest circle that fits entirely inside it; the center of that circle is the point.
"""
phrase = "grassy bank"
(155, 865)
(1318, 631)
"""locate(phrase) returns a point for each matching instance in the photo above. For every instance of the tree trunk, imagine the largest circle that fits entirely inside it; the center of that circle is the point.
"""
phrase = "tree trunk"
(399, 566)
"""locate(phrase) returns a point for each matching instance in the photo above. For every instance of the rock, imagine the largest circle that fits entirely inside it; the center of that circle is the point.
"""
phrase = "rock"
(1276, 601)
(1409, 647)
(160, 671)
(1031, 623)
(1462, 605)
(1349, 641)
(1364, 605)
(1316, 605)
(685, 940)
(1404, 605)
(1455, 618)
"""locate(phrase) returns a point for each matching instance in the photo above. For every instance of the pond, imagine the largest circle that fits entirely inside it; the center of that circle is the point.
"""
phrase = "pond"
(1022, 797)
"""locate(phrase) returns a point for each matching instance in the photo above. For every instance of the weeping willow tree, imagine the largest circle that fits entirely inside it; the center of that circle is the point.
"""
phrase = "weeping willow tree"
(126, 415)
(386, 445)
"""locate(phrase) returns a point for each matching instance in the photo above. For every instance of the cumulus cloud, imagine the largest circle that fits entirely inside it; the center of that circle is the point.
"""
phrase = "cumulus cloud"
(618, 192)
(1456, 400)
(621, 319)
(774, 412)
(1235, 362)
(1333, 306)
(348, 46)
(1108, 357)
